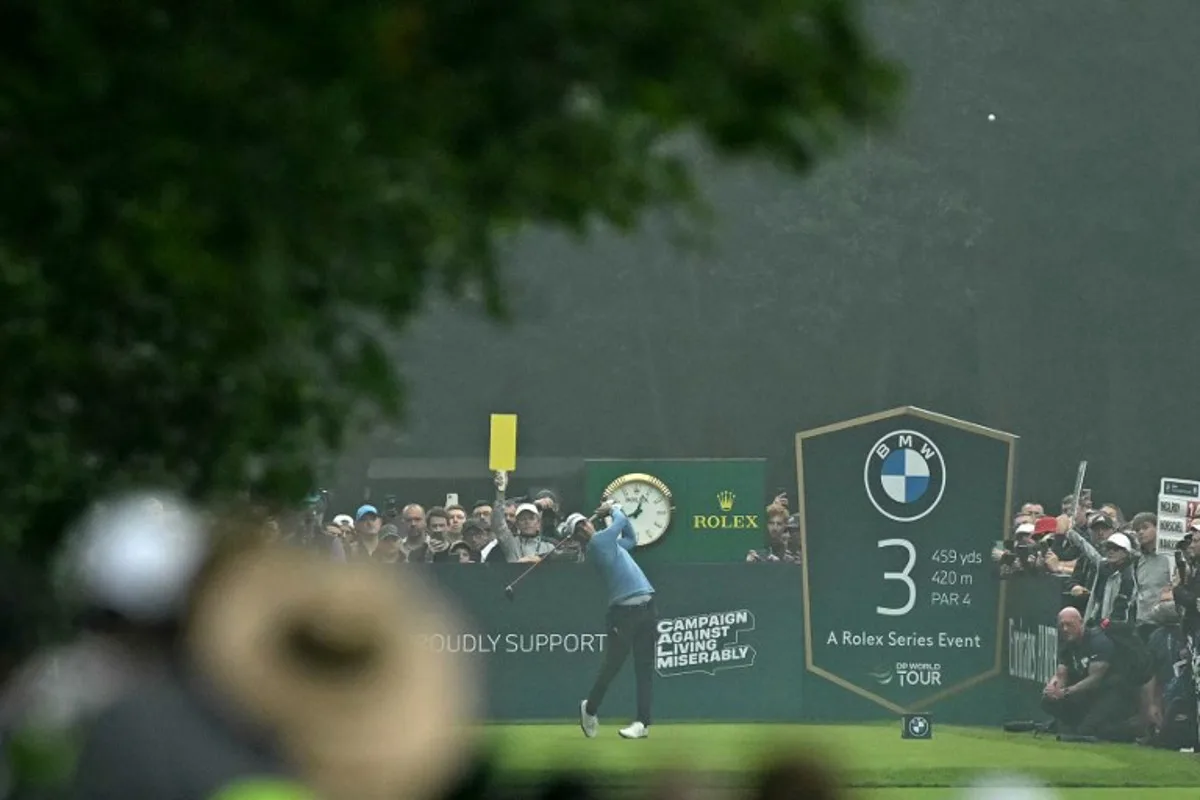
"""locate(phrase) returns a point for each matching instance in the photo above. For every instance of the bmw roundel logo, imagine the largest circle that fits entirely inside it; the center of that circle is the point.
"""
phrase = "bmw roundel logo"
(905, 475)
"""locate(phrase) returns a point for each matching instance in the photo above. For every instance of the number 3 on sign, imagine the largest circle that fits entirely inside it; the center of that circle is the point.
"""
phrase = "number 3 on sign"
(902, 576)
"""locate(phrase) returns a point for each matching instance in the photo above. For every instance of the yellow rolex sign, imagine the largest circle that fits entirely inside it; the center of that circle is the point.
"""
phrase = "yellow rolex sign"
(726, 500)
(718, 505)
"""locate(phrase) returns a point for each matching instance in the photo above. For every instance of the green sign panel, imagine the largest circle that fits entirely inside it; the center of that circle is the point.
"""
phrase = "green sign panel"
(716, 505)
(1031, 642)
(729, 643)
(898, 513)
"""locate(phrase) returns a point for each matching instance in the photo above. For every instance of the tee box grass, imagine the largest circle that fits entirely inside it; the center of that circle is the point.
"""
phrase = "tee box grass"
(871, 758)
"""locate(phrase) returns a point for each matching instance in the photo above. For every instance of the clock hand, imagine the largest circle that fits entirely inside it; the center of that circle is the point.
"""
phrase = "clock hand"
(637, 512)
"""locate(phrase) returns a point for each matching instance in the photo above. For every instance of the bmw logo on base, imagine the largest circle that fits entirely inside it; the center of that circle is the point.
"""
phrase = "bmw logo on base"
(905, 476)
(916, 726)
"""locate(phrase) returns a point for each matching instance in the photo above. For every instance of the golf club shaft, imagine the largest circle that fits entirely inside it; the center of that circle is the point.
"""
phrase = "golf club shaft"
(558, 546)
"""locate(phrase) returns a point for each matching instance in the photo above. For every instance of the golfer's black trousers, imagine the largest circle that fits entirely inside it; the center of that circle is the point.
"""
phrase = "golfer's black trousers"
(630, 628)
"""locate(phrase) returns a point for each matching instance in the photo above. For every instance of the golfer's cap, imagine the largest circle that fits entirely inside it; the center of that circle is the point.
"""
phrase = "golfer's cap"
(573, 521)
(530, 507)
(343, 519)
(1026, 528)
(365, 510)
(1045, 525)
(1120, 540)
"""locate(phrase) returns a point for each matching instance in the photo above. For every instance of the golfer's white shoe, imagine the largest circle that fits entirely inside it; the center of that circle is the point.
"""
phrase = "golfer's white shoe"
(635, 731)
(588, 723)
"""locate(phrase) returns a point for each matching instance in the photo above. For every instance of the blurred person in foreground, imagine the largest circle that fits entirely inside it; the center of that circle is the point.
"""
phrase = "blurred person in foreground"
(29, 616)
(296, 679)
(125, 572)
(1091, 693)
(630, 621)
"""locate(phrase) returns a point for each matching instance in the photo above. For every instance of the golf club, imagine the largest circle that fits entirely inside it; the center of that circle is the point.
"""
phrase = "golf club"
(509, 590)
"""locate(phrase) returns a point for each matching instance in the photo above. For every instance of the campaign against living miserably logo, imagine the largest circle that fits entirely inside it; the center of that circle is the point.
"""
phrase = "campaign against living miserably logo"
(905, 475)
(703, 643)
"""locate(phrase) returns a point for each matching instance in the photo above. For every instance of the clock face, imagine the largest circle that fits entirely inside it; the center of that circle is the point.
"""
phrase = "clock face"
(646, 501)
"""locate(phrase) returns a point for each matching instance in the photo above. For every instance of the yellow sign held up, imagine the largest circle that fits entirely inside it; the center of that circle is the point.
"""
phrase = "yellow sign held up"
(502, 453)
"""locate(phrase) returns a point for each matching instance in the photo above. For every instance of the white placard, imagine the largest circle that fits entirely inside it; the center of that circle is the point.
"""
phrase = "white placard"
(1172, 526)
(1180, 487)
(1167, 542)
(1172, 506)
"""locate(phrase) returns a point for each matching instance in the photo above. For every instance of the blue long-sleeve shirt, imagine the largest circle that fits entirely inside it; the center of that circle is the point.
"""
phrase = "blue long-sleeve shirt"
(609, 551)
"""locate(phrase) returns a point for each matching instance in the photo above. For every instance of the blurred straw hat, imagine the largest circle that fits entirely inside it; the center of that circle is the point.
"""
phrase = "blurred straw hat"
(327, 657)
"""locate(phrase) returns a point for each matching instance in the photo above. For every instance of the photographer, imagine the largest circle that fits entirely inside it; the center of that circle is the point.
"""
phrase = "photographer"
(1092, 693)
(1025, 553)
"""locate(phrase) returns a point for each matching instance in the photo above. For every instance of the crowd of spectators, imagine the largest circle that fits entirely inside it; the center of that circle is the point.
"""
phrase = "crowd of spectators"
(1128, 663)
(504, 529)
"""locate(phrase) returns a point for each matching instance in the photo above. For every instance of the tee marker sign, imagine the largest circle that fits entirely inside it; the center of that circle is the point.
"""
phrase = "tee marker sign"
(502, 452)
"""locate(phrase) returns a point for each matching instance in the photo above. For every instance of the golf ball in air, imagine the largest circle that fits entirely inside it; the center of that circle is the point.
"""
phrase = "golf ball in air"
(991, 117)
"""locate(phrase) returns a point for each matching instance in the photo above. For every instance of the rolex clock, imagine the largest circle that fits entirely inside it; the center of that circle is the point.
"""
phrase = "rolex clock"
(647, 502)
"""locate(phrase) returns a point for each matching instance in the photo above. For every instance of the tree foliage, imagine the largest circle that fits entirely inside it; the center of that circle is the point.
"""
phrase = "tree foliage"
(212, 211)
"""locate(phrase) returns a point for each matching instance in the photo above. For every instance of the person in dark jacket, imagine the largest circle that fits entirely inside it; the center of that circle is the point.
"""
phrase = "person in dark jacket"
(1187, 602)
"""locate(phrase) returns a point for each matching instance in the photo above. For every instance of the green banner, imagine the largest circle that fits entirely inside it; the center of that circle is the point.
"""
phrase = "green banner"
(899, 511)
(730, 640)
(713, 508)
(1030, 641)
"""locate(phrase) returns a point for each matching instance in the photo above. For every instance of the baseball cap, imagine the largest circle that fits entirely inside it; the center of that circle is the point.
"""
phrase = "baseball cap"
(1195, 526)
(1100, 521)
(530, 507)
(1025, 528)
(1045, 525)
(364, 510)
(389, 532)
(572, 521)
(343, 519)
(1120, 540)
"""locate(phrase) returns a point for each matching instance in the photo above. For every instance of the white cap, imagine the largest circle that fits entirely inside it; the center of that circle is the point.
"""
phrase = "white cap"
(1121, 541)
(530, 507)
(137, 557)
(1195, 526)
(1026, 527)
(343, 520)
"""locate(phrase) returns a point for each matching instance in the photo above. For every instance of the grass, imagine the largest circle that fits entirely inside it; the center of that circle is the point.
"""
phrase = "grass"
(873, 758)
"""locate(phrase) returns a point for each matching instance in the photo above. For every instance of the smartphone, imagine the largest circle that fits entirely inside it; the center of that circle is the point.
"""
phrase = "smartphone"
(451, 499)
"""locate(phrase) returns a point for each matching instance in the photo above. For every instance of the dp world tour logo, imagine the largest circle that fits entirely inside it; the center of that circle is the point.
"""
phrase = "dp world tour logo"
(905, 476)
